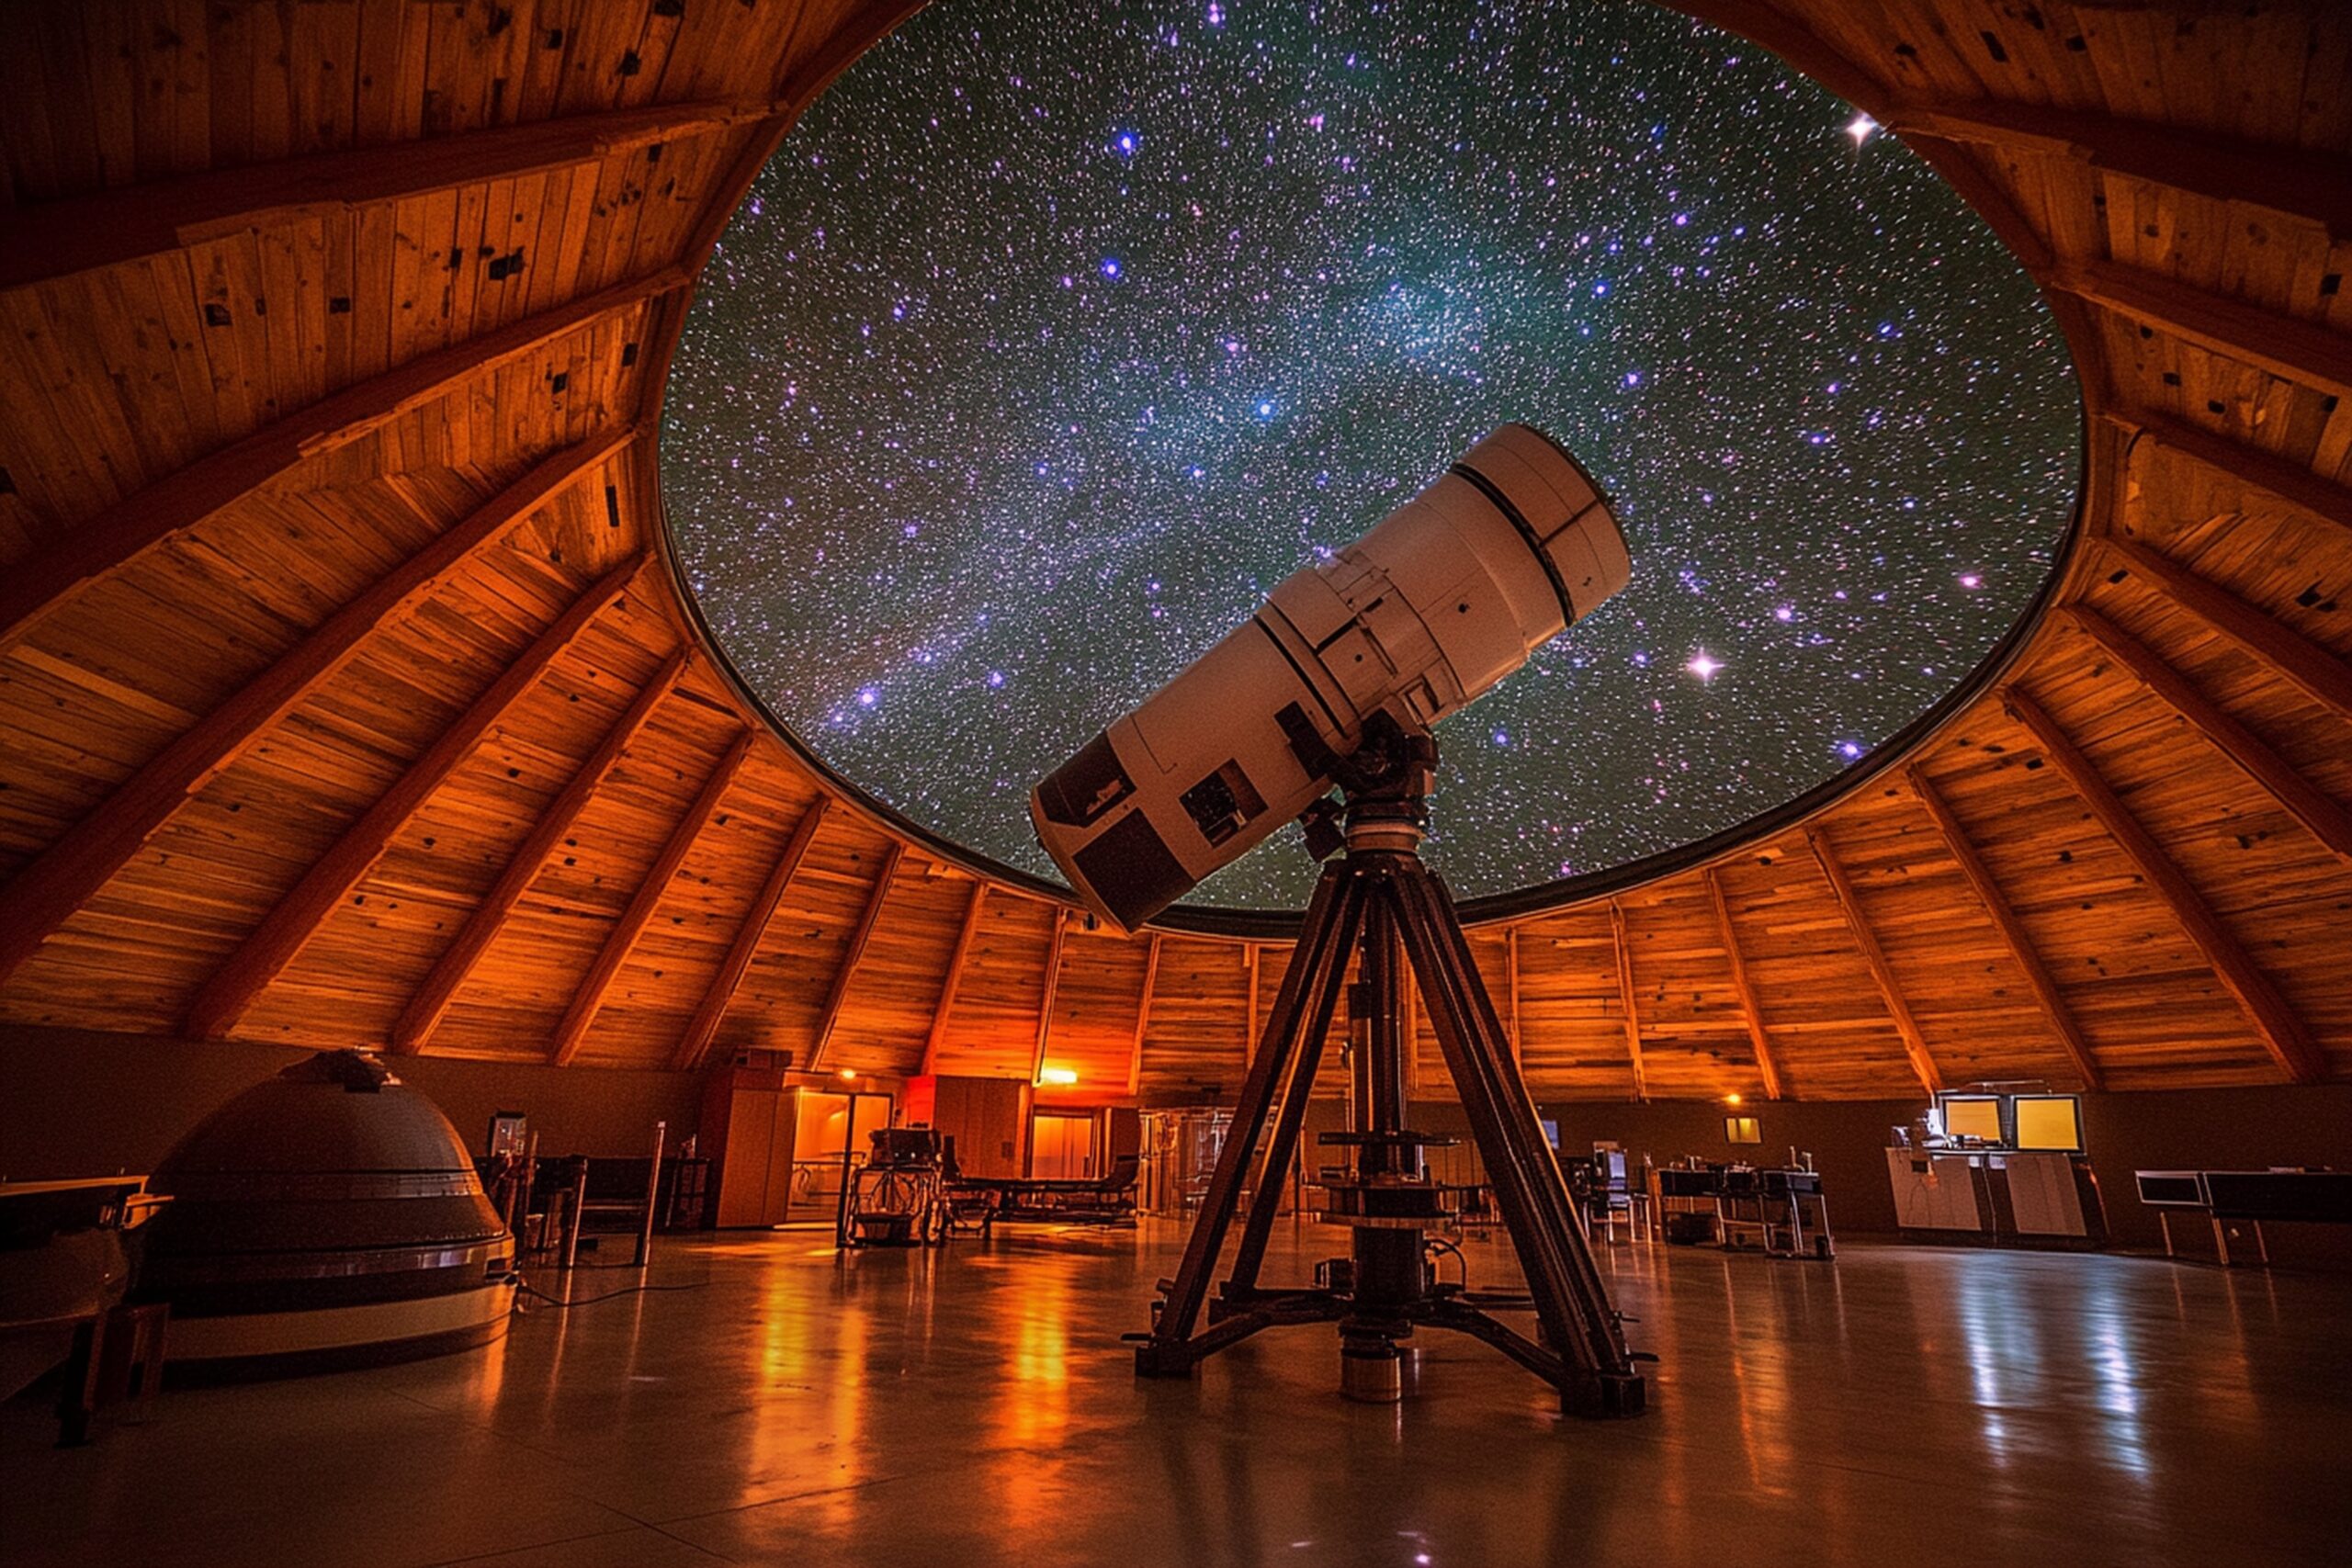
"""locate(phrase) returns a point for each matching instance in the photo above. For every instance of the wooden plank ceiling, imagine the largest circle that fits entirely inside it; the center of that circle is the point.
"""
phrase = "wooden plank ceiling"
(348, 700)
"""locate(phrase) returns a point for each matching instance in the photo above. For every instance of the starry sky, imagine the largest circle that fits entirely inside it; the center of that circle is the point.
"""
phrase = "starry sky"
(1059, 331)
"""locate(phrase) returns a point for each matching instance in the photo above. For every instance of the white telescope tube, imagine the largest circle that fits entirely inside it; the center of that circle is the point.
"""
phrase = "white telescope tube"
(1448, 594)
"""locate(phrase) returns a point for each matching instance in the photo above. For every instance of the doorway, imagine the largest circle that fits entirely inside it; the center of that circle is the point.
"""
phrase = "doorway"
(824, 1121)
(1061, 1145)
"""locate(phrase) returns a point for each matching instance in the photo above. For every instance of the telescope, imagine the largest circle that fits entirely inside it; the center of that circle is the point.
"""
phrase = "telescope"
(1338, 679)
(1444, 597)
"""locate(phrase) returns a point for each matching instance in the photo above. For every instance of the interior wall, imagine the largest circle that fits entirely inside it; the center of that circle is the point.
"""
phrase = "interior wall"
(74, 1102)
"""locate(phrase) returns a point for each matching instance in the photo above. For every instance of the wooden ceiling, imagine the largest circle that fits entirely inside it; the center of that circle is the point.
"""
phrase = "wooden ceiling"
(347, 697)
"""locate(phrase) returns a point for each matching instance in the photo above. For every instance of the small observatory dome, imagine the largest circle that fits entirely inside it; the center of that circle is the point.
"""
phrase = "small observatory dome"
(327, 1216)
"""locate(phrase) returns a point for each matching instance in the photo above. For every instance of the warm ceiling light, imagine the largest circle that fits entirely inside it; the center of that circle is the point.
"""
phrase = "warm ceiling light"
(1731, 1099)
(1064, 1077)
(849, 1075)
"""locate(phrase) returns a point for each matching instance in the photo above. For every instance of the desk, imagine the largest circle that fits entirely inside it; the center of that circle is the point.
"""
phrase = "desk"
(2004, 1197)
(2250, 1197)
(1771, 1209)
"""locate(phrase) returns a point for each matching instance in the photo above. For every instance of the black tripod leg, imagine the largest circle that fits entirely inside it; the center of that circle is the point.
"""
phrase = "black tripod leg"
(1322, 998)
(1336, 905)
(1571, 1299)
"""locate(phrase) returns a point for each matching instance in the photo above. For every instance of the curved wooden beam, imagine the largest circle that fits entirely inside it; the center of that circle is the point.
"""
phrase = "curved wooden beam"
(56, 239)
(431, 1003)
(2325, 820)
(1625, 997)
(1143, 1013)
(1750, 1013)
(703, 1027)
(2235, 461)
(1511, 990)
(2294, 181)
(838, 992)
(2308, 666)
(45, 894)
(224, 999)
(2005, 919)
(1841, 887)
(2285, 346)
(588, 997)
(1045, 1004)
(34, 587)
(2275, 1023)
(946, 1006)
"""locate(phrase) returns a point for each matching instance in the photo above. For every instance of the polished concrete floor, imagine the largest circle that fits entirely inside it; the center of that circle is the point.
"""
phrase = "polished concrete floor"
(974, 1406)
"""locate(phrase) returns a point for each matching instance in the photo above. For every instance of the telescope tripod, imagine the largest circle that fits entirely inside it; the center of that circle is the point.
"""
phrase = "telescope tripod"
(1380, 900)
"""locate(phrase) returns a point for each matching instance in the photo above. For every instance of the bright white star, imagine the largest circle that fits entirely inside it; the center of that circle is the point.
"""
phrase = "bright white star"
(1704, 665)
(1859, 127)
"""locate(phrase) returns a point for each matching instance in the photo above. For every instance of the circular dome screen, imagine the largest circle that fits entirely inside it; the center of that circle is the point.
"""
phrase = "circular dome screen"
(1057, 333)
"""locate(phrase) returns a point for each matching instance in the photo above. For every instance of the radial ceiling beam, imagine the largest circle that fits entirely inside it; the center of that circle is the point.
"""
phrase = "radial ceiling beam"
(1742, 986)
(2239, 463)
(703, 1027)
(1250, 1014)
(2286, 346)
(2319, 813)
(2281, 1032)
(1053, 987)
(2013, 932)
(431, 1003)
(1511, 989)
(45, 894)
(2319, 672)
(96, 546)
(838, 992)
(225, 999)
(1143, 1012)
(946, 1006)
(57, 239)
(589, 997)
(2294, 181)
(1625, 997)
(1841, 887)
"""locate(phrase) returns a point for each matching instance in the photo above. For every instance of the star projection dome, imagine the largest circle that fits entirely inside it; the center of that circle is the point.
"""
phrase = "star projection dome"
(1056, 333)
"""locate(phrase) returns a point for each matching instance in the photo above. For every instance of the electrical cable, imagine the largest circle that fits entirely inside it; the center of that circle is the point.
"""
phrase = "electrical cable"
(522, 1287)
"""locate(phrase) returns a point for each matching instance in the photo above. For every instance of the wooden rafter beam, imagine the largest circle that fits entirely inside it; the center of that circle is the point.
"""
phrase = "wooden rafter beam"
(1250, 1013)
(2276, 1024)
(1511, 990)
(2295, 181)
(2014, 935)
(946, 1006)
(1743, 986)
(1841, 887)
(2319, 813)
(1143, 1012)
(1625, 997)
(263, 956)
(2286, 346)
(2290, 482)
(837, 993)
(2319, 672)
(59, 238)
(703, 1027)
(45, 894)
(595, 986)
(96, 546)
(431, 1001)
(1054, 949)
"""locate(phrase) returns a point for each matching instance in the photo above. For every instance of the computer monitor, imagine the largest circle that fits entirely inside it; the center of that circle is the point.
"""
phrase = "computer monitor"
(2051, 1122)
(1975, 1116)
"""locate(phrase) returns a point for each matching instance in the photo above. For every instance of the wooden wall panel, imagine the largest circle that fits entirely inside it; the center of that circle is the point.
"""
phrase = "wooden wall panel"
(1192, 1045)
(888, 1015)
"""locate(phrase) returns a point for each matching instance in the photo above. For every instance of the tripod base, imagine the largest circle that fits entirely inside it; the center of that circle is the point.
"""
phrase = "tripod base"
(1381, 901)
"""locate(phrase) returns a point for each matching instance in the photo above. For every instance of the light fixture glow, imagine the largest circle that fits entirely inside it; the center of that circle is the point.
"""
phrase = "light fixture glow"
(849, 1075)
(1062, 1076)
(1731, 1099)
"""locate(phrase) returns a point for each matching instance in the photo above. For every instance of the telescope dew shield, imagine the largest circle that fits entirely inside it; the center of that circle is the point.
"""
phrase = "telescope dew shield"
(1444, 597)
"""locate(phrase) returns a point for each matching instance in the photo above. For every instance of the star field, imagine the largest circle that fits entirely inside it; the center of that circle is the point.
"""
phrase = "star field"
(1057, 333)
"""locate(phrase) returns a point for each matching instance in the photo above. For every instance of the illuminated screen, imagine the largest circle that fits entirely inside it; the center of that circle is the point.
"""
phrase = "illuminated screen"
(2055, 1122)
(1972, 1119)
